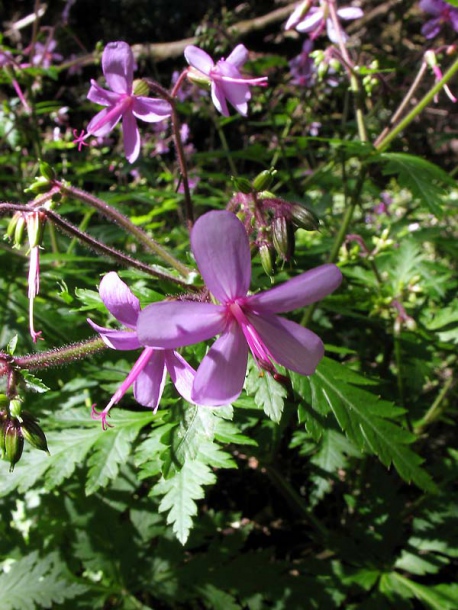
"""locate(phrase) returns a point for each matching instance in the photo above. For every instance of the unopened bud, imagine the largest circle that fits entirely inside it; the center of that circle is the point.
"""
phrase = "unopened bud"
(33, 433)
(283, 237)
(196, 77)
(39, 186)
(47, 171)
(15, 407)
(264, 180)
(139, 87)
(265, 253)
(304, 218)
(14, 442)
(242, 185)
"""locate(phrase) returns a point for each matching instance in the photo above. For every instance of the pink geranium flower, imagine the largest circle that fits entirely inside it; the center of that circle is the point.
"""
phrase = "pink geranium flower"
(149, 372)
(314, 20)
(244, 322)
(227, 83)
(122, 101)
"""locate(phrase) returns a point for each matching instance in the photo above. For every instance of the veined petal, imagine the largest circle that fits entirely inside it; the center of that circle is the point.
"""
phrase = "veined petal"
(116, 339)
(299, 291)
(238, 95)
(311, 21)
(119, 300)
(220, 245)
(118, 66)
(131, 136)
(172, 324)
(239, 56)
(350, 12)
(221, 374)
(151, 109)
(150, 382)
(99, 95)
(181, 373)
(104, 121)
(199, 59)
(291, 345)
(219, 98)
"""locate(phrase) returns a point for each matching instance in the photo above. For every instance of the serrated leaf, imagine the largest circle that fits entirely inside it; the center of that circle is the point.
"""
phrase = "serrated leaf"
(11, 347)
(268, 394)
(368, 421)
(36, 582)
(442, 597)
(112, 449)
(34, 383)
(179, 495)
(425, 180)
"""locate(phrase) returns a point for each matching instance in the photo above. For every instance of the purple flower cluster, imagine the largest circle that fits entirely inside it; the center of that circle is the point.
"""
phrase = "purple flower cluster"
(244, 322)
(442, 13)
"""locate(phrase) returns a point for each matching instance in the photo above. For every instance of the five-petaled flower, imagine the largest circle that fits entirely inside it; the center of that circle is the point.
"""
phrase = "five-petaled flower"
(149, 371)
(227, 83)
(244, 322)
(122, 101)
(313, 20)
(442, 13)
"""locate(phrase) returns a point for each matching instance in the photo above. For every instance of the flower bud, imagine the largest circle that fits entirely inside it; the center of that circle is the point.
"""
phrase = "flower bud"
(304, 218)
(265, 253)
(39, 186)
(15, 407)
(242, 185)
(33, 433)
(139, 87)
(35, 226)
(196, 77)
(264, 180)
(14, 442)
(47, 171)
(283, 237)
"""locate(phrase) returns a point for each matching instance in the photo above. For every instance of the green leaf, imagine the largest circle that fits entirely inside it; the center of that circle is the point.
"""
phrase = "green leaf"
(437, 598)
(425, 180)
(34, 383)
(367, 420)
(269, 395)
(112, 449)
(36, 582)
(180, 493)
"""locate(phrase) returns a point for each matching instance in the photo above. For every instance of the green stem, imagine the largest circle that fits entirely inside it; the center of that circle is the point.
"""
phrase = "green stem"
(125, 223)
(382, 144)
(59, 356)
(436, 409)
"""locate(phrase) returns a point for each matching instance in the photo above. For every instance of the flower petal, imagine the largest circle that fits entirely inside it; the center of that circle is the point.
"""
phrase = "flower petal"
(312, 20)
(220, 245)
(198, 59)
(131, 136)
(151, 109)
(104, 121)
(350, 12)
(172, 324)
(116, 339)
(99, 95)
(221, 374)
(291, 345)
(150, 382)
(239, 56)
(219, 98)
(119, 300)
(299, 291)
(118, 66)
(238, 95)
(181, 373)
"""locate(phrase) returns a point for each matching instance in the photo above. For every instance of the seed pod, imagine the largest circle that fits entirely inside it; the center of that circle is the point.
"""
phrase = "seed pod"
(304, 218)
(33, 434)
(14, 442)
(265, 252)
(263, 180)
(242, 184)
(47, 171)
(283, 237)
(15, 407)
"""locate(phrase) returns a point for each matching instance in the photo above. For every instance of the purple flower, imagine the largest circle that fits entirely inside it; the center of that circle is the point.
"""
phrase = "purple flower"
(43, 54)
(227, 83)
(122, 100)
(313, 20)
(148, 373)
(302, 67)
(244, 322)
(442, 13)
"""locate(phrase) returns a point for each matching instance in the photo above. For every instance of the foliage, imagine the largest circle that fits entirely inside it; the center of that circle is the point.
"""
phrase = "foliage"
(334, 490)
